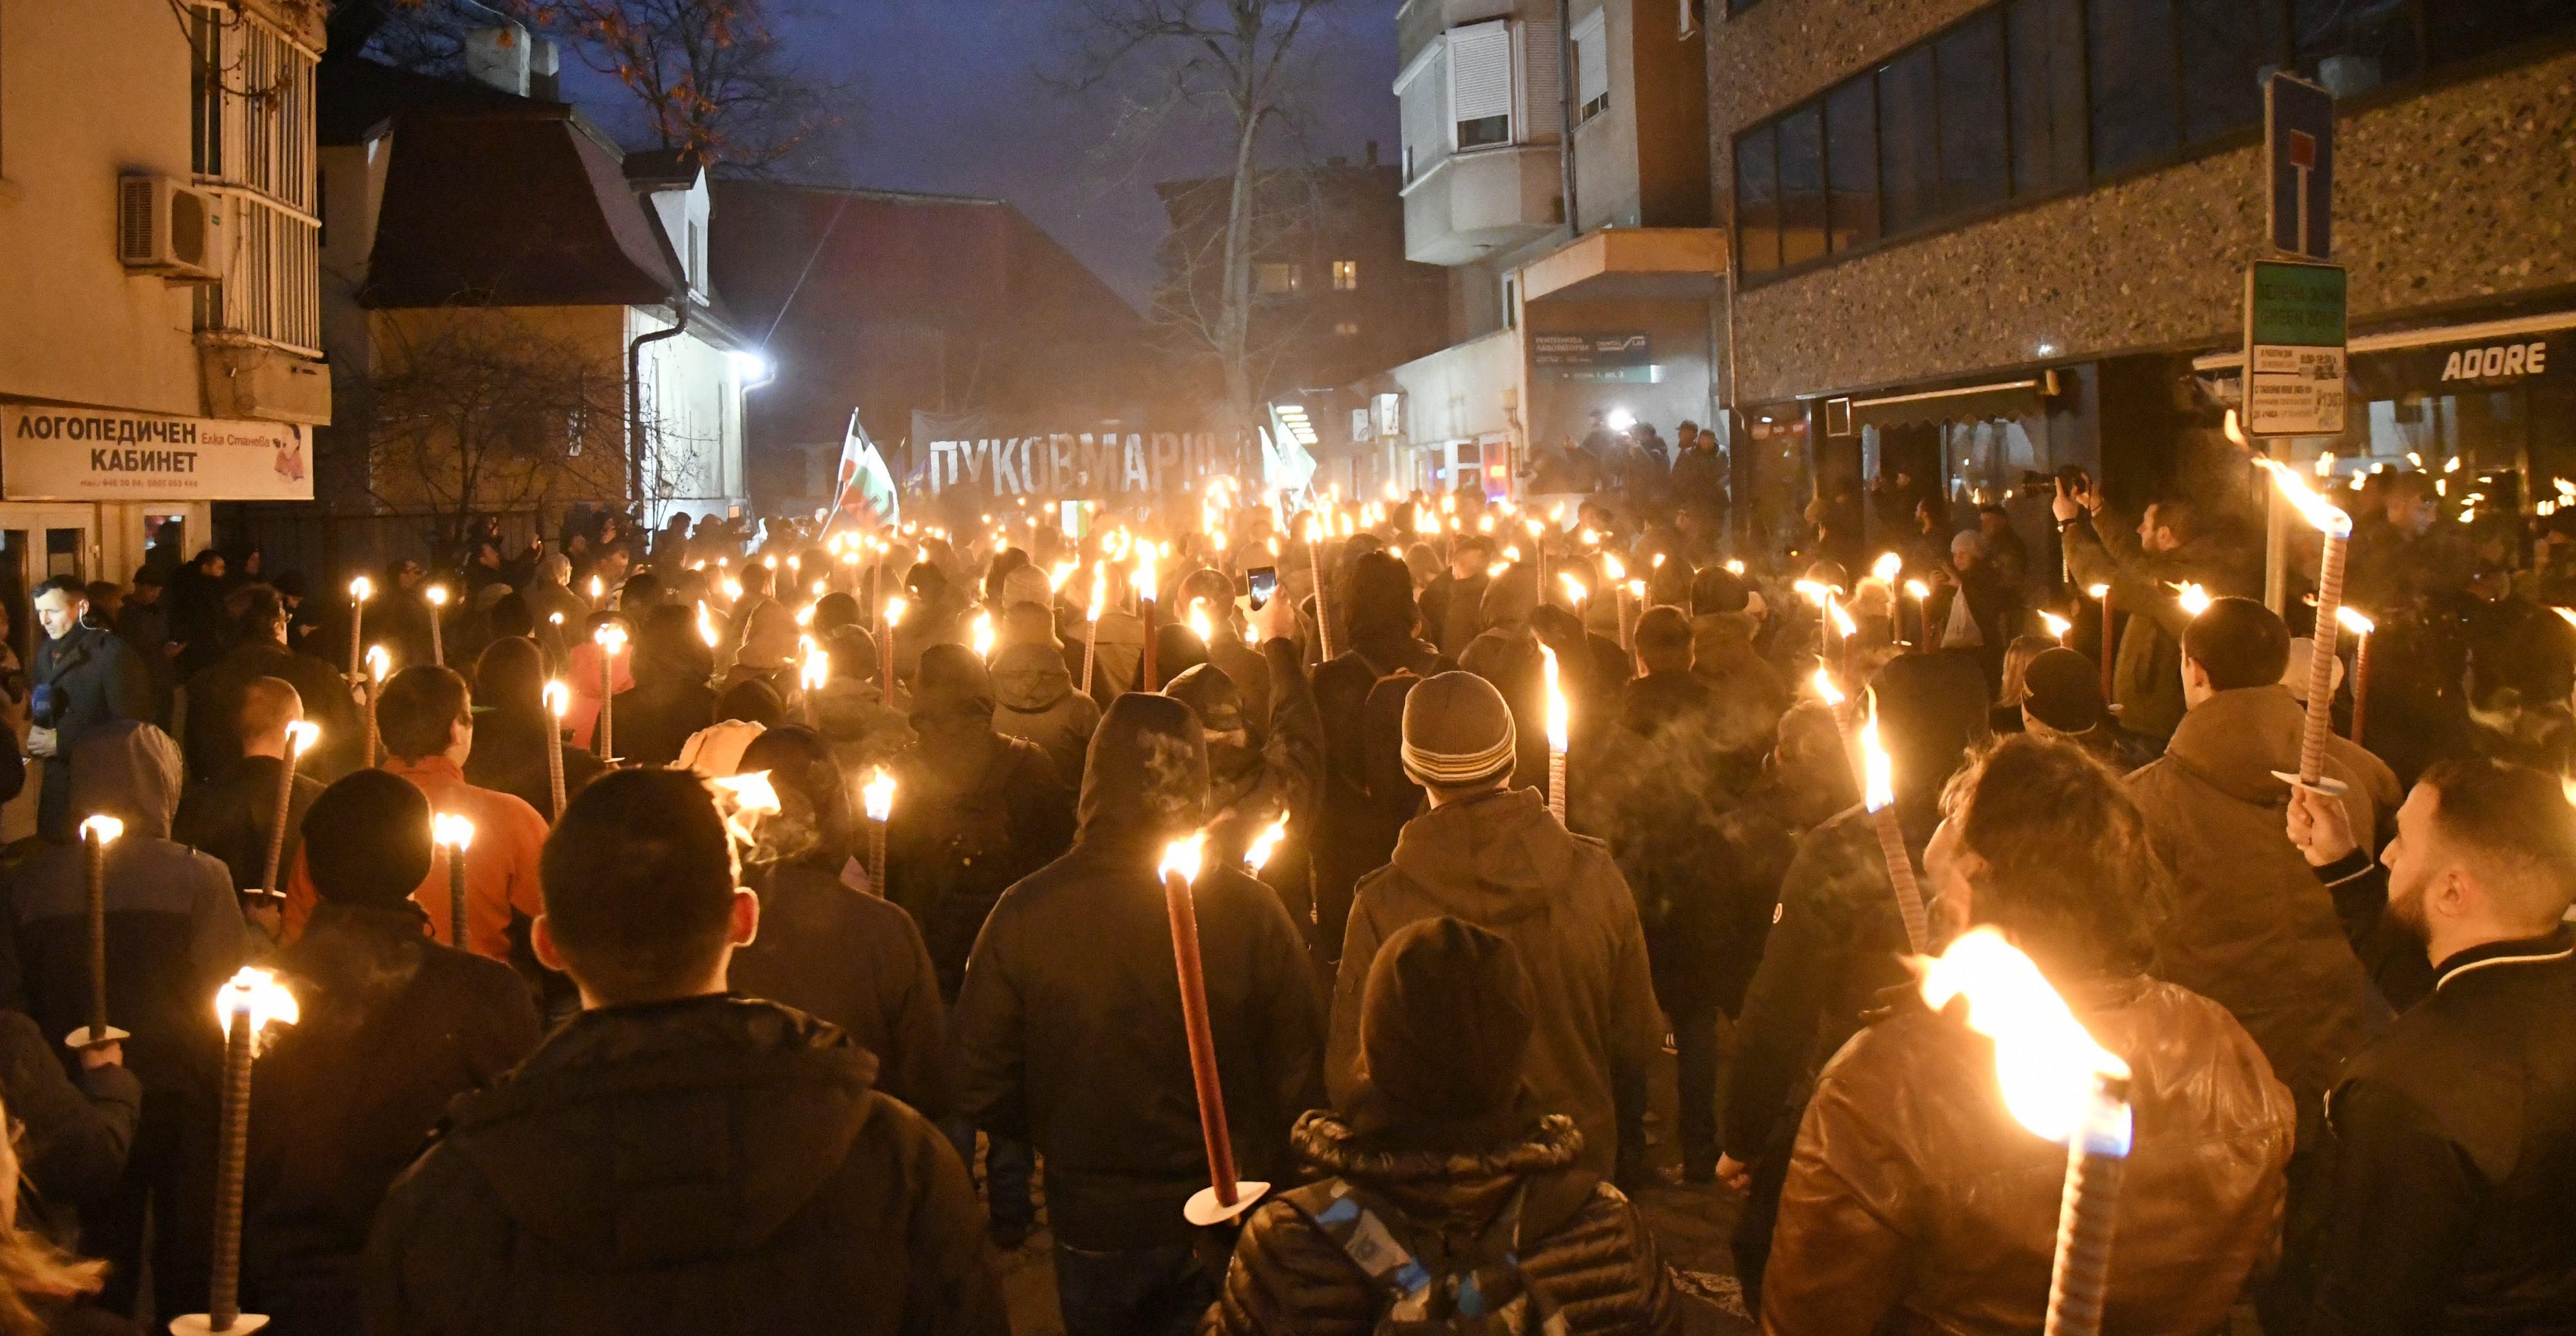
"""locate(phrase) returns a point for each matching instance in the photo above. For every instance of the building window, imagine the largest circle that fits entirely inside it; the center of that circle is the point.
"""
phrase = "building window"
(1480, 84)
(251, 127)
(2026, 98)
(1274, 280)
(1592, 66)
(1346, 275)
(1348, 329)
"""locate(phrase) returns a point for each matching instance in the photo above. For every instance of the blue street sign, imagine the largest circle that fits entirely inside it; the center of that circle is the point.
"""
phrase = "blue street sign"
(2298, 160)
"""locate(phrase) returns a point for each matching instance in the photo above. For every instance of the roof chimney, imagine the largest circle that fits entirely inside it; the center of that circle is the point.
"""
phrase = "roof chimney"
(499, 57)
(545, 70)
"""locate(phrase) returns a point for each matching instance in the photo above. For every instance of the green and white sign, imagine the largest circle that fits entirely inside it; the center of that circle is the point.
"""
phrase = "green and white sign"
(2294, 349)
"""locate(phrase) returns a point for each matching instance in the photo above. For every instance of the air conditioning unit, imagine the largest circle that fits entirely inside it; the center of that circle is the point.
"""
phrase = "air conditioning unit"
(166, 228)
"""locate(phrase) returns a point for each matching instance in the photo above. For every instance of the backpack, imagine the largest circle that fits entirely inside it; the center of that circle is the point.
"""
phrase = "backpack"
(1426, 1286)
(964, 866)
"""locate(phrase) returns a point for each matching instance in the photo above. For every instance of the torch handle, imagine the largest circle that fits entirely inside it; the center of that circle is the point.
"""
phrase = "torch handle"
(1090, 653)
(886, 667)
(96, 849)
(607, 708)
(1323, 619)
(877, 858)
(2321, 661)
(437, 640)
(456, 897)
(1194, 1021)
(1146, 672)
(2087, 1216)
(2360, 687)
(277, 828)
(223, 1301)
(1900, 875)
(554, 764)
(2107, 647)
(1556, 784)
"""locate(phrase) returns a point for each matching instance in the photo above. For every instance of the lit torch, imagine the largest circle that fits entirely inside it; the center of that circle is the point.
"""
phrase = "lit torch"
(1878, 791)
(983, 635)
(2056, 626)
(360, 590)
(894, 609)
(453, 833)
(1091, 633)
(1887, 568)
(611, 639)
(2193, 599)
(558, 699)
(246, 1005)
(1265, 844)
(1225, 1197)
(97, 832)
(2337, 528)
(380, 665)
(437, 596)
(2102, 594)
(876, 799)
(300, 737)
(2061, 1085)
(2361, 627)
(1556, 735)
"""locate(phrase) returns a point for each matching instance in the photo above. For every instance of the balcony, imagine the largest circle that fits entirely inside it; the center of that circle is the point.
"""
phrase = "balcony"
(1480, 201)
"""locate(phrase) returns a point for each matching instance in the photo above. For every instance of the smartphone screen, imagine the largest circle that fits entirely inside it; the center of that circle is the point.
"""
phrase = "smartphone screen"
(1265, 582)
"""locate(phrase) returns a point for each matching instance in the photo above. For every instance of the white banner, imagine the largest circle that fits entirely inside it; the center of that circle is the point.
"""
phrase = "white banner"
(50, 452)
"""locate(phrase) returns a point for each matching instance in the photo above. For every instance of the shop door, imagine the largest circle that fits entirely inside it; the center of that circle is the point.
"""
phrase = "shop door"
(37, 544)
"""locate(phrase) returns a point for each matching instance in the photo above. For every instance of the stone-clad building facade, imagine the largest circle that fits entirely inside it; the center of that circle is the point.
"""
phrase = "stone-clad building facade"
(1975, 237)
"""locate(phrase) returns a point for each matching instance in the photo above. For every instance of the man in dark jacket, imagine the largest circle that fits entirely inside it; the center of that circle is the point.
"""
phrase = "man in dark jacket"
(2169, 548)
(1495, 857)
(2454, 1134)
(174, 934)
(1916, 1201)
(1749, 693)
(829, 950)
(1439, 1145)
(85, 678)
(393, 1027)
(233, 813)
(209, 727)
(675, 1158)
(1356, 827)
(1837, 940)
(75, 1129)
(1452, 603)
(1069, 1030)
(1253, 785)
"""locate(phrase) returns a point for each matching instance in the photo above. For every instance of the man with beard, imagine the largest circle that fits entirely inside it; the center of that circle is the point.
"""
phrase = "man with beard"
(2454, 1133)
(2169, 549)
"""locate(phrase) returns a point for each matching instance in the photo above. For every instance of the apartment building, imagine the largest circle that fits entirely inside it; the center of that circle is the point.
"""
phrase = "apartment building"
(159, 209)
(1573, 215)
(1974, 238)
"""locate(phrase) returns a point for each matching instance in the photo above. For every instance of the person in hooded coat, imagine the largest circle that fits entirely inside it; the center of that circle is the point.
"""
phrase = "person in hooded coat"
(1358, 828)
(1069, 1033)
(676, 1158)
(1114, 643)
(556, 610)
(174, 934)
(1495, 857)
(1255, 784)
(1243, 662)
(1034, 701)
(1837, 940)
(1442, 1143)
(392, 1027)
(865, 730)
(828, 948)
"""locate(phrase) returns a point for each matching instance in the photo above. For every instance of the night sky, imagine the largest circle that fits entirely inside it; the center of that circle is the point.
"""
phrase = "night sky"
(953, 104)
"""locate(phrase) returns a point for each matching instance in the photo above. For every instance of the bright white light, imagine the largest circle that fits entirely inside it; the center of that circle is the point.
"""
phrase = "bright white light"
(751, 368)
(1621, 419)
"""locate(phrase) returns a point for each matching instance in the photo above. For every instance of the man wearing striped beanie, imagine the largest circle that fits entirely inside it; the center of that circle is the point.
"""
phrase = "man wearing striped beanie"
(1494, 856)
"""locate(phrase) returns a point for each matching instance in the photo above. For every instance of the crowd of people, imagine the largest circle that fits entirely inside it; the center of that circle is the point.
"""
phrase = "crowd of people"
(1510, 814)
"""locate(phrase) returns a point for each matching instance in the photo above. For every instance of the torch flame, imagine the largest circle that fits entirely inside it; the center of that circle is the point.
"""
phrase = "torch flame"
(2044, 1059)
(2324, 514)
(1184, 857)
(706, 625)
(362, 589)
(2057, 626)
(1843, 624)
(437, 595)
(1556, 713)
(1826, 691)
(1813, 591)
(1612, 569)
(732, 592)
(2098, 591)
(744, 799)
(877, 795)
(894, 613)
(1144, 577)
(1199, 624)
(1888, 567)
(815, 670)
(2234, 432)
(107, 828)
(2354, 621)
(2566, 614)
(380, 662)
(558, 699)
(256, 996)
(1879, 790)
(611, 638)
(1574, 589)
(1059, 573)
(1917, 589)
(300, 737)
(451, 829)
(2194, 599)
(1099, 593)
(1266, 843)
(983, 635)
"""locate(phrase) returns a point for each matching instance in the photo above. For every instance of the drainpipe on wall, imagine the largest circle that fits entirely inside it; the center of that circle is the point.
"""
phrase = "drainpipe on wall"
(635, 396)
(1569, 89)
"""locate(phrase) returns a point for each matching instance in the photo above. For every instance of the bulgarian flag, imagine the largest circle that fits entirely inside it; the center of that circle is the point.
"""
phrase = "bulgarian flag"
(863, 491)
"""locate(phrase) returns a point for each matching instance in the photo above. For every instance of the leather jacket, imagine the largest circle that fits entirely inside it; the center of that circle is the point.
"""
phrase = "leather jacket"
(1915, 1203)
